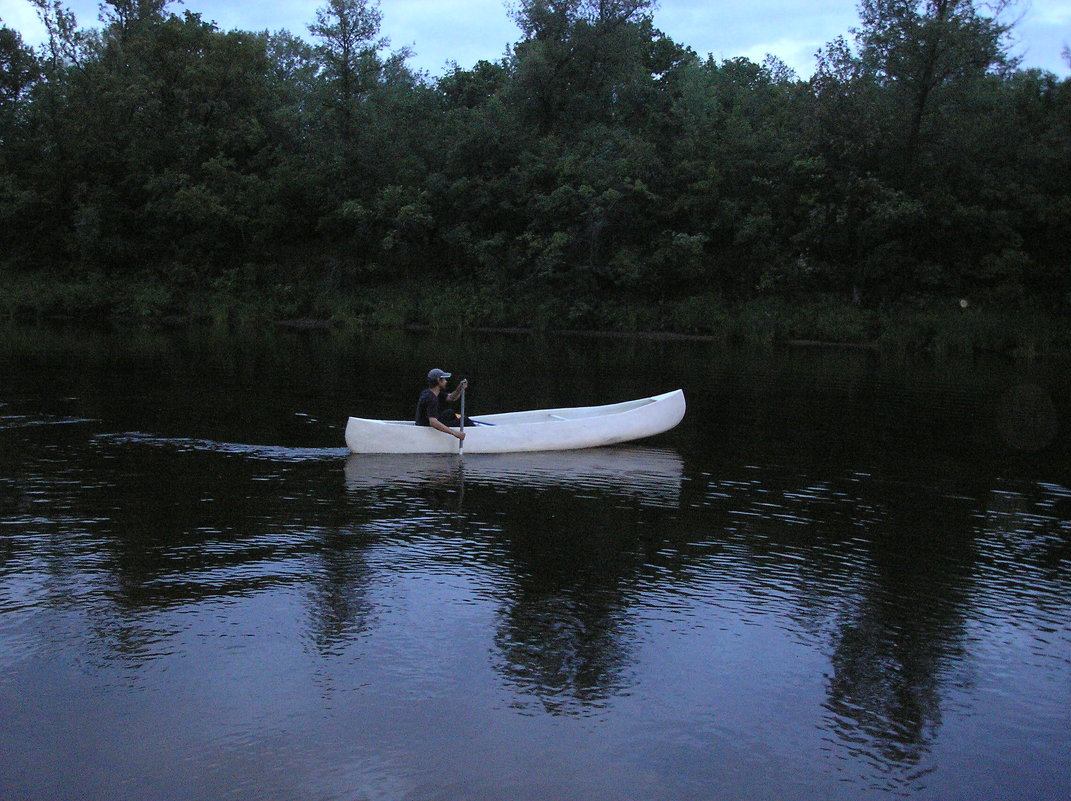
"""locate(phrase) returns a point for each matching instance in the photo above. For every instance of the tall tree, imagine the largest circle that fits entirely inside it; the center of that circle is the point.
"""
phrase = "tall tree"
(66, 41)
(124, 15)
(928, 51)
(573, 55)
(347, 30)
(19, 69)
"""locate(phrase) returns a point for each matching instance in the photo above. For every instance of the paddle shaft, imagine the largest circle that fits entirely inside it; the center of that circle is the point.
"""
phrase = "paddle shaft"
(461, 442)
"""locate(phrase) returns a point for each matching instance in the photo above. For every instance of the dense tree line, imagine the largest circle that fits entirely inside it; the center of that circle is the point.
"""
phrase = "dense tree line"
(597, 156)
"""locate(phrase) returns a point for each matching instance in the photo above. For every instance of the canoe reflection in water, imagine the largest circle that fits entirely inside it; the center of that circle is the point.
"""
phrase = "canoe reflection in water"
(650, 476)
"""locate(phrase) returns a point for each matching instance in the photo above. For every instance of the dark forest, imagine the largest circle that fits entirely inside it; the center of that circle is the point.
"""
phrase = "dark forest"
(599, 175)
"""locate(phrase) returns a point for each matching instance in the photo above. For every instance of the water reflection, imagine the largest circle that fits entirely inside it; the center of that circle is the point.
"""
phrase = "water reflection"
(340, 607)
(877, 574)
(566, 631)
(565, 523)
(587, 539)
(565, 647)
(647, 476)
(855, 615)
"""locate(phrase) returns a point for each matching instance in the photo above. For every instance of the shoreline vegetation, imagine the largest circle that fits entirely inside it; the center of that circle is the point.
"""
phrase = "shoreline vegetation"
(924, 325)
(913, 194)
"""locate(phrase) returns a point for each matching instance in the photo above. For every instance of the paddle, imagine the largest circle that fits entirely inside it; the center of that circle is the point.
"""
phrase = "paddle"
(461, 442)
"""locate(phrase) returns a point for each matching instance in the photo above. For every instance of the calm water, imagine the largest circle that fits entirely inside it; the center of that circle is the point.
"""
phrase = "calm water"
(843, 576)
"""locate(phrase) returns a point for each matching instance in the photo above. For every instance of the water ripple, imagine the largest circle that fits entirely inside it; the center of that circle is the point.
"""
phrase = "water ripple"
(14, 421)
(271, 453)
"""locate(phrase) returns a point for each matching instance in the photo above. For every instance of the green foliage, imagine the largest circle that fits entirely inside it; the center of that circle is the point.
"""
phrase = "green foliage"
(953, 330)
(600, 175)
(19, 70)
(347, 31)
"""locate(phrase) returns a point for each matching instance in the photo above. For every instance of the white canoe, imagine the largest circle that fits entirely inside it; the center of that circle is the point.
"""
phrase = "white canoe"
(513, 432)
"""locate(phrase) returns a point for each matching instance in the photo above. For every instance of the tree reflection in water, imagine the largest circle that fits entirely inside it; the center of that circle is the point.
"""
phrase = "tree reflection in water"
(338, 602)
(563, 652)
(898, 647)
(881, 593)
(876, 574)
(564, 635)
(565, 523)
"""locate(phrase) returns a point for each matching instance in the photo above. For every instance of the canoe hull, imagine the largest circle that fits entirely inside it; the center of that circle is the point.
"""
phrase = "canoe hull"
(516, 432)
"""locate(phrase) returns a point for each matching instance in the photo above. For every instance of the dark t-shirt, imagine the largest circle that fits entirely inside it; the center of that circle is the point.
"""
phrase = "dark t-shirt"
(427, 407)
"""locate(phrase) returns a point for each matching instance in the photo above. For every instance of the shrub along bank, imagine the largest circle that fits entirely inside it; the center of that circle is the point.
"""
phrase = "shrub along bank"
(959, 325)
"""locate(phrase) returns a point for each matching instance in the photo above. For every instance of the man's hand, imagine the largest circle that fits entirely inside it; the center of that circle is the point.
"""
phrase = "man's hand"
(460, 435)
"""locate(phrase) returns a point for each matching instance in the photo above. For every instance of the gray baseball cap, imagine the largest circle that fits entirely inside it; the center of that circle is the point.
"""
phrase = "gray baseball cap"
(437, 374)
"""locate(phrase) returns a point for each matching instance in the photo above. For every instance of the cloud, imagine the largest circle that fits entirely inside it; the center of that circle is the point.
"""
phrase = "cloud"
(1050, 12)
(18, 14)
(464, 31)
(792, 30)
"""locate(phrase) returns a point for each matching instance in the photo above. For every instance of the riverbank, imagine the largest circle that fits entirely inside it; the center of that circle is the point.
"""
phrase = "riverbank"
(939, 325)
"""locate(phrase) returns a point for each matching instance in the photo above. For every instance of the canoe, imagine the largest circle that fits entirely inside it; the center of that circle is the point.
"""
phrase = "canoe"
(515, 432)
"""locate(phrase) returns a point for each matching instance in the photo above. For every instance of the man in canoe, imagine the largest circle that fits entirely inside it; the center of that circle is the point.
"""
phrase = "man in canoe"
(428, 412)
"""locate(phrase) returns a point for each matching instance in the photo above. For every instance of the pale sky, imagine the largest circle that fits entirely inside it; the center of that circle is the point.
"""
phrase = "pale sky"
(466, 31)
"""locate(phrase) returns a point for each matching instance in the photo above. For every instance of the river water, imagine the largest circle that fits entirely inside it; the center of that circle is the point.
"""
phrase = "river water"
(845, 575)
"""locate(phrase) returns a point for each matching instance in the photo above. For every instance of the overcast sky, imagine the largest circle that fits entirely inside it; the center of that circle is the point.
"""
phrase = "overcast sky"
(466, 31)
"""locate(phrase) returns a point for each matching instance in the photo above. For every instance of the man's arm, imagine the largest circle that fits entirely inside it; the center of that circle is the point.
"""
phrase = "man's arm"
(453, 396)
(441, 426)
